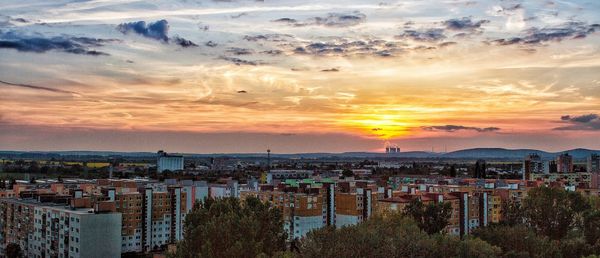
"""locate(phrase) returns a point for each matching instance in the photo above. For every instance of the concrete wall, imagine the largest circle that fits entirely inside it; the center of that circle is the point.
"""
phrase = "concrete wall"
(100, 235)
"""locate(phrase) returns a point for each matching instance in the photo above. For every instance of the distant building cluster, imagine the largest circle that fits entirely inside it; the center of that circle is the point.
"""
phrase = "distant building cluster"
(561, 168)
(113, 217)
(101, 217)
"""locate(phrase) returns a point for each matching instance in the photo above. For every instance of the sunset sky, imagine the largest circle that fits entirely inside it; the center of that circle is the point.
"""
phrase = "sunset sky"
(298, 76)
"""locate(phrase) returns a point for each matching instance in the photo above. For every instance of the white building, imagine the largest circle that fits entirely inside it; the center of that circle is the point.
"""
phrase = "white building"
(73, 233)
(169, 162)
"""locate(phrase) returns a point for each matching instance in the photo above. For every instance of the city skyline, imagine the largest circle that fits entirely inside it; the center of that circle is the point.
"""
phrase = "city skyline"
(299, 76)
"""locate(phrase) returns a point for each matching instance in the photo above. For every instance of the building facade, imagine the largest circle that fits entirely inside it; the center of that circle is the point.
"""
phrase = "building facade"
(168, 162)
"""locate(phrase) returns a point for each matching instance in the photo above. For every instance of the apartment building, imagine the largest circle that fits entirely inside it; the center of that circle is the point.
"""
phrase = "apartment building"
(354, 207)
(398, 204)
(45, 229)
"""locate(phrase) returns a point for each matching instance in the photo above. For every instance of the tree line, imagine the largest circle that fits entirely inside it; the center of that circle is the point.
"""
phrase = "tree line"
(549, 222)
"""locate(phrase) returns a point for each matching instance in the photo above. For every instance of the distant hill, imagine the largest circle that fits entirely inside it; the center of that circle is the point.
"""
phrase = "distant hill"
(476, 153)
(484, 153)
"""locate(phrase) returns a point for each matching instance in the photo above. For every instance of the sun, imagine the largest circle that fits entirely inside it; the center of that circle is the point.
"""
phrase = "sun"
(382, 126)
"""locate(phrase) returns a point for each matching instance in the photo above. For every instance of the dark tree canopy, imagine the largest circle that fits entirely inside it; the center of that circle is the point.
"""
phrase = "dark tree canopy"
(553, 211)
(393, 236)
(591, 228)
(431, 218)
(512, 213)
(230, 228)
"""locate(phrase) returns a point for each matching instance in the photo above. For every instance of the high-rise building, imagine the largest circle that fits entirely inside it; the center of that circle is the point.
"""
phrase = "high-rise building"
(532, 164)
(46, 229)
(564, 163)
(354, 207)
(550, 167)
(480, 169)
(593, 163)
(169, 162)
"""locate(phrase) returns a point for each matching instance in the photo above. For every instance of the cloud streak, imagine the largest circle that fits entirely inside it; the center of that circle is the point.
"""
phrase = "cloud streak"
(424, 35)
(589, 122)
(454, 128)
(536, 36)
(38, 44)
(330, 20)
(34, 87)
(464, 24)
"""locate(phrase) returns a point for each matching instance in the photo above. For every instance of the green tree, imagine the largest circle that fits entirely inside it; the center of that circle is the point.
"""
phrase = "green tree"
(591, 228)
(512, 213)
(393, 236)
(431, 218)
(476, 248)
(453, 171)
(347, 173)
(518, 241)
(553, 211)
(232, 228)
(575, 247)
(13, 251)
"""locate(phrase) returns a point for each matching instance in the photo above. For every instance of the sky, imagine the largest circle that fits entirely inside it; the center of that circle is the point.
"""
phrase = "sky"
(208, 76)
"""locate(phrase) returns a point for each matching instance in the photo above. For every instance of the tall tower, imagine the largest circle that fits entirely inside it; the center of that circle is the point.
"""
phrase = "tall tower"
(593, 163)
(268, 160)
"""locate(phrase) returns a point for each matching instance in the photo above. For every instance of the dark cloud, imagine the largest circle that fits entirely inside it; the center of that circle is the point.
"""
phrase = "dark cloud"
(286, 20)
(446, 44)
(589, 122)
(534, 36)
(39, 44)
(464, 24)
(210, 44)
(28, 86)
(580, 119)
(427, 35)
(183, 42)
(331, 20)
(20, 20)
(275, 37)
(240, 51)
(273, 52)
(513, 7)
(242, 91)
(342, 47)
(331, 70)
(454, 128)
(238, 61)
(158, 30)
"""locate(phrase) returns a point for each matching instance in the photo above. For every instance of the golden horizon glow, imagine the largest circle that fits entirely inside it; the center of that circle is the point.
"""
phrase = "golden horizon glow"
(404, 71)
